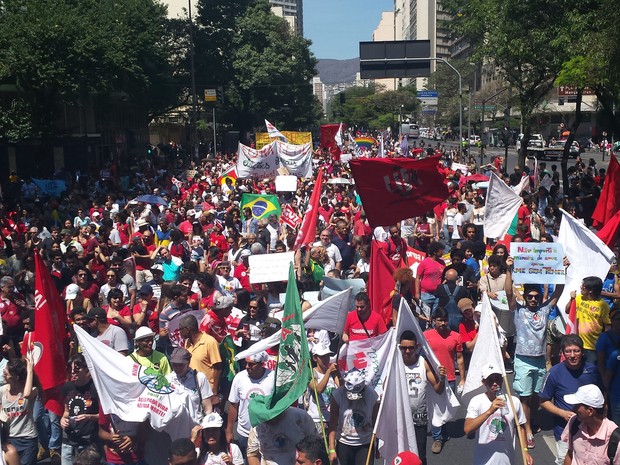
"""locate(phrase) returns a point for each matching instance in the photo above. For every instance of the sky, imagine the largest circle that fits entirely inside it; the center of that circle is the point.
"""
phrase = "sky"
(336, 27)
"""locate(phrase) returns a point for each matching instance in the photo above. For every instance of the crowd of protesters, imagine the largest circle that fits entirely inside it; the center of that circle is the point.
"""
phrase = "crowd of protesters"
(126, 269)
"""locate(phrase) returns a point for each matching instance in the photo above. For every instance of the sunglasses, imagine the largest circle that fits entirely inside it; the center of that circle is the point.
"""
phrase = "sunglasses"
(532, 296)
(406, 348)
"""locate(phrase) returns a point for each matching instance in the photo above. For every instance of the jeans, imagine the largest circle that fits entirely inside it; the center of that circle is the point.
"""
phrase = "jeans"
(27, 448)
(48, 426)
(437, 432)
(352, 455)
(431, 300)
(589, 356)
(69, 452)
(561, 451)
(420, 439)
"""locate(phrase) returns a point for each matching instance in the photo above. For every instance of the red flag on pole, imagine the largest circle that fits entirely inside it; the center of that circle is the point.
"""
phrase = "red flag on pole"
(49, 337)
(307, 232)
(609, 233)
(289, 217)
(571, 321)
(609, 201)
(397, 188)
(380, 282)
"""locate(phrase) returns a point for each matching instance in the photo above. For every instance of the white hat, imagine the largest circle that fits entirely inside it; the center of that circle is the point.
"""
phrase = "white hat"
(223, 302)
(72, 291)
(589, 395)
(489, 370)
(141, 222)
(260, 357)
(213, 420)
(143, 332)
(95, 213)
(320, 349)
(157, 266)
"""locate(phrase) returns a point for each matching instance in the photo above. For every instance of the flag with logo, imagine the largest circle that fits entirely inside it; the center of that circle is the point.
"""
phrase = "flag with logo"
(307, 232)
(134, 392)
(273, 132)
(51, 187)
(393, 189)
(262, 205)
(290, 217)
(50, 336)
(292, 372)
(230, 173)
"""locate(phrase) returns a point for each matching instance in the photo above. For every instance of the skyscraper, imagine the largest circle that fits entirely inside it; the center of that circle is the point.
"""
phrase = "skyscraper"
(292, 11)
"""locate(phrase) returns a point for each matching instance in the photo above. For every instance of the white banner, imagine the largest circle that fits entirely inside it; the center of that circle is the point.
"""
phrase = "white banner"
(537, 263)
(286, 183)
(267, 268)
(261, 163)
(297, 159)
(460, 166)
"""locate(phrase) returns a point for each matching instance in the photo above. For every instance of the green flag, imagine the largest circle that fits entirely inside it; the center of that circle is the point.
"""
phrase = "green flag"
(293, 369)
(261, 205)
(228, 350)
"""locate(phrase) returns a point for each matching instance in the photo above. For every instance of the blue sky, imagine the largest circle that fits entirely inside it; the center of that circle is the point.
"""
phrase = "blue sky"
(336, 27)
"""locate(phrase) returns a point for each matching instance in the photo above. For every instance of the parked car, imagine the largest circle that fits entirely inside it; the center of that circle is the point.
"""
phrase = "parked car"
(536, 141)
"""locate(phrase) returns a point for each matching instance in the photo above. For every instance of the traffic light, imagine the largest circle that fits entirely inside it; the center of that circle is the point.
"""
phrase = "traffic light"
(220, 95)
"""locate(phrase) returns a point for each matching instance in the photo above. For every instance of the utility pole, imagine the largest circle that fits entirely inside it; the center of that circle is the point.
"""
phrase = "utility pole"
(194, 127)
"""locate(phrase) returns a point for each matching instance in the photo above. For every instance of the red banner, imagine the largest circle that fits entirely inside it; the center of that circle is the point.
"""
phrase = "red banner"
(307, 232)
(289, 217)
(609, 201)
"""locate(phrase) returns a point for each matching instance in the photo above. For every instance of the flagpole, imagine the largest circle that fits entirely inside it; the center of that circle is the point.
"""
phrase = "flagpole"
(318, 407)
(372, 441)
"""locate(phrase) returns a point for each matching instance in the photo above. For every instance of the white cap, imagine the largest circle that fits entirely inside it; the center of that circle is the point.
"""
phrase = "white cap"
(490, 369)
(260, 357)
(72, 291)
(320, 349)
(213, 420)
(143, 332)
(589, 395)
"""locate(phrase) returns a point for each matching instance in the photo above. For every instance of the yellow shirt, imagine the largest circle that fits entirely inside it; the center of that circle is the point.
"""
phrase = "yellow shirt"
(205, 354)
(592, 316)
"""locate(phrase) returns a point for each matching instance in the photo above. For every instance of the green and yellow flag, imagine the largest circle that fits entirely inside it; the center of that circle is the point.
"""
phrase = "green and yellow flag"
(261, 205)
(293, 369)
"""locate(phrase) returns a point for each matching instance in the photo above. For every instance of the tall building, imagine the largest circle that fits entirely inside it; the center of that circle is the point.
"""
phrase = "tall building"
(292, 11)
(386, 30)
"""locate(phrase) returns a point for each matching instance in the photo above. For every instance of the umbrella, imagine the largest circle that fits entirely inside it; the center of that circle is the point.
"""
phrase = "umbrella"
(339, 181)
(154, 199)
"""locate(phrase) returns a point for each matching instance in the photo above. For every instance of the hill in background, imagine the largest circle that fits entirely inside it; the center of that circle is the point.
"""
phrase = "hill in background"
(338, 71)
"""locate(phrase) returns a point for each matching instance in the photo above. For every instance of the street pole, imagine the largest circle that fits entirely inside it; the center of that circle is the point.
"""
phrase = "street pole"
(214, 133)
(193, 77)
(396, 10)
(482, 132)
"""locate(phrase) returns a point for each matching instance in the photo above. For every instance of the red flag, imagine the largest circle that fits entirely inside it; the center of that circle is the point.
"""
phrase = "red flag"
(393, 189)
(289, 217)
(571, 322)
(49, 337)
(609, 201)
(231, 174)
(307, 232)
(380, 282)
(609, 233)
(328, 135)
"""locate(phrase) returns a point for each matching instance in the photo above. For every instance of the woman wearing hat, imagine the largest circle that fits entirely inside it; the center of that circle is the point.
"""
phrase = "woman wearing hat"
(214, 449)
(326, 379)
(74, 299)
(353, 412)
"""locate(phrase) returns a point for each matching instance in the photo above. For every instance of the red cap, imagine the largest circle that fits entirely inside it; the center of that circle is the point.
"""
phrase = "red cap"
(407, 458)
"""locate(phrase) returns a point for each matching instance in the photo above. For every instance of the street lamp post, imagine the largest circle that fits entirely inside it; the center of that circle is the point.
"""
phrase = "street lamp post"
(396, 11)
(194, 128)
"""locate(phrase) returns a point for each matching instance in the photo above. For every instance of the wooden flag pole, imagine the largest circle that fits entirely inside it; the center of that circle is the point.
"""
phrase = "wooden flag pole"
(318, 407)
(516, 419)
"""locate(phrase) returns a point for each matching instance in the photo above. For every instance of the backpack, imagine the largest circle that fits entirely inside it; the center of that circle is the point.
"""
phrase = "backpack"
(454, 314)
(612, 446)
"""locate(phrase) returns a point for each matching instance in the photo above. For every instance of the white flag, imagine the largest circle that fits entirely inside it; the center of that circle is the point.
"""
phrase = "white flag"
(133, 392)
(502, 204)
(588, 256)
(273, 132)
(442, 407)
(394, 427)
(523, 185)
(487, 350)
(329, 314)
(338, 137)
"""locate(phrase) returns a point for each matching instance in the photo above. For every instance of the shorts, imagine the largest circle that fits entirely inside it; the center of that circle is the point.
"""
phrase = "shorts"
(529, 375)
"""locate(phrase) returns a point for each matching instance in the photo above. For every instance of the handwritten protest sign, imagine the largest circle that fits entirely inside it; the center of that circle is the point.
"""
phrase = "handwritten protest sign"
(537, 263)
(267, 268)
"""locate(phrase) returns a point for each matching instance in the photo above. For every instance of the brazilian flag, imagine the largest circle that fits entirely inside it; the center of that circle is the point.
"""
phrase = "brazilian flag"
(261, 205)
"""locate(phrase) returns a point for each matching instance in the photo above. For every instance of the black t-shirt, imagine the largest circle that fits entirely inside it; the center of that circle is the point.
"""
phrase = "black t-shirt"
(81, 400)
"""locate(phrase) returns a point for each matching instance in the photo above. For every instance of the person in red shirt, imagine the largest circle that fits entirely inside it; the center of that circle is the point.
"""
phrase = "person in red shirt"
(524, 212)
(468, 328)
(429, 275)
(447, 346)
(241, 270)
(361, 227)
(325, 210)
(214, 322)
(205, 299)
(363, 323)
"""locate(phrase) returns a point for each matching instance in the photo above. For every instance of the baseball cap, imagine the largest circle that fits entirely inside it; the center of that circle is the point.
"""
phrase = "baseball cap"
(213, 420)
(72, 291)
(180, 355)
(146, 289)
(223, 302)
(354, 384)
(320, 349)
(464, 304)
(143, 332)
(157, 267)
(489, 370)
(589, 395)
(407, 458)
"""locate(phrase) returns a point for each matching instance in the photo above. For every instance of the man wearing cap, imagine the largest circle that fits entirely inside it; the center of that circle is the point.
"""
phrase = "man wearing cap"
(214, 321)
(226, 284)
(185, 379)
(254, 380)
(110, 335)
(565, 378)
(589, 432)
(66, 235)
(326, 379)
(491, 417)
(157, 271)
(145, 355)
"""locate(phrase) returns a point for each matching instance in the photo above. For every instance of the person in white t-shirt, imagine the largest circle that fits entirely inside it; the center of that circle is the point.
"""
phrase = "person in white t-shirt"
(325, 381)
(491, 417)
(111, 335)
(254, 380)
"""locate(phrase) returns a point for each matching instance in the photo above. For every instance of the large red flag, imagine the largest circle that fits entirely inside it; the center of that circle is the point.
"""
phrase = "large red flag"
(609, 233)
(307, 232)
(328, 135)
(380, 282)
(396, 188)
(609, 201)
(49, 337)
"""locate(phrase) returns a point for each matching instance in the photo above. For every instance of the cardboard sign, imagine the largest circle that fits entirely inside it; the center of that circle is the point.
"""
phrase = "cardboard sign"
(286, 183)
(271, 267)
(537, 263)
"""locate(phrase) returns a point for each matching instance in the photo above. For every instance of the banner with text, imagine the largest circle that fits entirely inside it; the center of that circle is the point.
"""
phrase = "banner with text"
(294, 137)
(268, 268)
(297, 159)
(537, 263)
(261, 163)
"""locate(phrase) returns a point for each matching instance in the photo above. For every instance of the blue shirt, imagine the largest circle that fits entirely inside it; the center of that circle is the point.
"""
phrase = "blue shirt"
(561, 381)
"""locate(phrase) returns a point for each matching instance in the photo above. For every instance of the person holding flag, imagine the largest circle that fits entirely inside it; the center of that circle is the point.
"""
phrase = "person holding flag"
(489, 415)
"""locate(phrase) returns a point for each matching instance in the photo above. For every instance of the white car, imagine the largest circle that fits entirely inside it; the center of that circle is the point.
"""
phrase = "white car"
(536, 141)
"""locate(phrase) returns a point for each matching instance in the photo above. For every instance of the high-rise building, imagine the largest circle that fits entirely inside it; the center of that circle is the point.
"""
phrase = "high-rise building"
(292, 11)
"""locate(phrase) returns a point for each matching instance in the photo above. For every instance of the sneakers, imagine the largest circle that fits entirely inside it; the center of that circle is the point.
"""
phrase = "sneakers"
(42, 454)
(530, 441)
(54, 457)
(437, 446)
